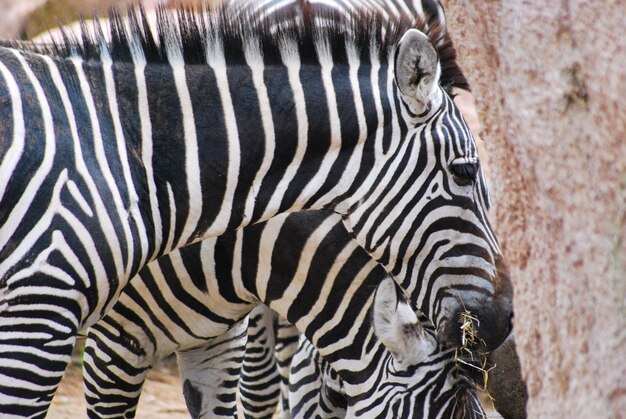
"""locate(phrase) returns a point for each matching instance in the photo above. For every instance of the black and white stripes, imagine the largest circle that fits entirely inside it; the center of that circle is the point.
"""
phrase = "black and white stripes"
(113, 154)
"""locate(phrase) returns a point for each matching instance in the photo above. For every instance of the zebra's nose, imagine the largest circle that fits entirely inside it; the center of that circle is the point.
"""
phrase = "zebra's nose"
(480, 325)
(480, 321)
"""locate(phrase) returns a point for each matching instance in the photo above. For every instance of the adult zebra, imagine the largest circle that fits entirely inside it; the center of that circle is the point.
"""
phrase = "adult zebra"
(261, 358)
(95, 181)
(154, 333)
(389, 9)
(255, 400)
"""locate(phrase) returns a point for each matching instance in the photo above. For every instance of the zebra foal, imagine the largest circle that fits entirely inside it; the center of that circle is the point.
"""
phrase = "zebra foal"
(421, 379)
(116, 153)
(144, 326)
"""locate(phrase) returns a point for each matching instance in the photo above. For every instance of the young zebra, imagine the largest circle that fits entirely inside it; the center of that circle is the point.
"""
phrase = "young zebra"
(315, 276)
(113, 154)
(421, 378)
(427, 374)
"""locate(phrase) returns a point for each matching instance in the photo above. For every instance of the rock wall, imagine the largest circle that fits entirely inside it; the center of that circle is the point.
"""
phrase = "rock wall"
(550, 85)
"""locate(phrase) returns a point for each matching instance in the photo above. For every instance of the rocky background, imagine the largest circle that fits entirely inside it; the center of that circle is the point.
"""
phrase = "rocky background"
(550, 83)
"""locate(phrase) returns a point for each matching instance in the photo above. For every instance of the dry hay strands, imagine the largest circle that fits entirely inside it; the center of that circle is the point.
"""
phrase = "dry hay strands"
(466, 355)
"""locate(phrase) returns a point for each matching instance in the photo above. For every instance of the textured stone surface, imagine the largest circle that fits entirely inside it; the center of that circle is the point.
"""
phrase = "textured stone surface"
(550, 84)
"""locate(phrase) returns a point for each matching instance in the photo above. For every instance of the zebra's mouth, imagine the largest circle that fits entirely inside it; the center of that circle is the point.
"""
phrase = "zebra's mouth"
(474, 317)
(477, 325)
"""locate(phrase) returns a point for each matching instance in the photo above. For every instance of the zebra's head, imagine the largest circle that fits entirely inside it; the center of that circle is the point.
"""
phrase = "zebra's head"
(421, 377)
(408, 373)
(427, 222)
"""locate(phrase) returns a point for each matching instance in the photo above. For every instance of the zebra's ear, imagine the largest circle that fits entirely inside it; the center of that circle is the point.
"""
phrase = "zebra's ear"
(397, 327)
(417, 70)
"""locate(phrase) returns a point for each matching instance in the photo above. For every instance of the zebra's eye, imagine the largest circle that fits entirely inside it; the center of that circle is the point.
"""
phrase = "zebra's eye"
(464, 171)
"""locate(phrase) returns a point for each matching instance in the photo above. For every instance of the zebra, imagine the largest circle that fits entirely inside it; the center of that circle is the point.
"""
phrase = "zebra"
(95, 182)
(413, 362)
(135, 333)
(266, 363)
(422, 377)
(271, 359)
(210, 372)
(389, 9)
(427, 374)
(261, 405)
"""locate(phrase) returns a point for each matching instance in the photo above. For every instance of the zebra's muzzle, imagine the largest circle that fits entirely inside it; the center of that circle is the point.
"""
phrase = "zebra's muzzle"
(479, 321)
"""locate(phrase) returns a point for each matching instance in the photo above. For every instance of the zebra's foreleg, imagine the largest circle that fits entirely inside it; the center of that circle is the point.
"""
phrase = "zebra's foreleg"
(115, 367)
(315, 389)
(210, 374)
(33, 363)
(259, 387)
(38, 327)
(287, 339)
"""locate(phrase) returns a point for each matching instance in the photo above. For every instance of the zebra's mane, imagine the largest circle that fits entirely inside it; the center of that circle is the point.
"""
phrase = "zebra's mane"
(188, 33)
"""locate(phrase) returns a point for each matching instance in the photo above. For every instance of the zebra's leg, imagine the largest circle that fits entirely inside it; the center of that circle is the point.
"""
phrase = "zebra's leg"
(259, 386)
(287, 340)
(210, 373)
(315, 389)
(35, 349)
(40, 316)
(115, 365)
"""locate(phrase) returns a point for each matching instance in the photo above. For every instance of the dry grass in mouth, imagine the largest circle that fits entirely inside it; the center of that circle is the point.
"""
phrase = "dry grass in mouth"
(465, 355)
